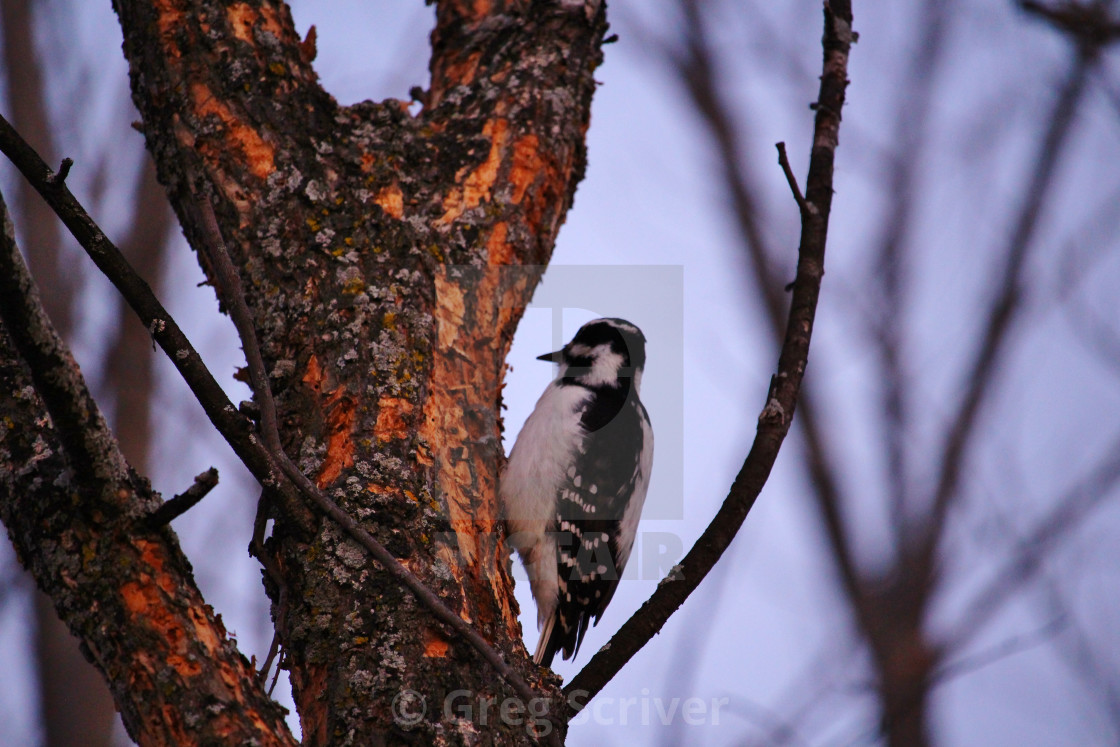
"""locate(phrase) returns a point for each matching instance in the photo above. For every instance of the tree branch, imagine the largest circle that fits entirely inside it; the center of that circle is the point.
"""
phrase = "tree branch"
(84, 433)
(1003, 311)
(234, 427)
(185, 501)
(783, 161)
(774, 422)
(70, 505)
(353, 301)
(696, 68)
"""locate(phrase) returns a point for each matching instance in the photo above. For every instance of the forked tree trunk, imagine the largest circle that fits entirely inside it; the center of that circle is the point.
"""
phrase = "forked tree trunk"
(386, 258)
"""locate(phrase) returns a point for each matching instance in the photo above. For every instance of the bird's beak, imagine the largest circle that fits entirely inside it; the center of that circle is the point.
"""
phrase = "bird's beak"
(551, 357)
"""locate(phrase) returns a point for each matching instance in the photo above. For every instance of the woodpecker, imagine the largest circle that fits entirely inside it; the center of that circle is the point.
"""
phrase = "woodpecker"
(573, 489)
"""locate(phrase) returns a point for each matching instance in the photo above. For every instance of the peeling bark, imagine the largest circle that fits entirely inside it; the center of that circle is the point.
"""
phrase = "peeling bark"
(386, 259)
(380, 253)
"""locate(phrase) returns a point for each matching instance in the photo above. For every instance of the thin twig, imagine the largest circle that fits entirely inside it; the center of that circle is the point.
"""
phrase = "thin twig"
(272, 649)
(774, 422)
(105, 479)
(697, 70)
(276, 675)
(229, 286)
(185, 501)
(783, 161)
(59, 177)
(256, 544)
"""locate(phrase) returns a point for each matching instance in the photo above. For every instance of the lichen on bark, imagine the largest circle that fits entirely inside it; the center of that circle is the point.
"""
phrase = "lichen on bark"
(375, 247)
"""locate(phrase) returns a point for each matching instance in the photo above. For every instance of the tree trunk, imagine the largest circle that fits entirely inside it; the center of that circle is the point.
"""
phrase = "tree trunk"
(386, 257)
(76, 515)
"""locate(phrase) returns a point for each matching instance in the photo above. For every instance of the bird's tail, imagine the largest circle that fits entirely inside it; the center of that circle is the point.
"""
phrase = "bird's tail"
(545, 648)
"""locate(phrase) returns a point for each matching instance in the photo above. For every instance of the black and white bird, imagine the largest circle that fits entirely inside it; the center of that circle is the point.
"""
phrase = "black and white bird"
(576, 479)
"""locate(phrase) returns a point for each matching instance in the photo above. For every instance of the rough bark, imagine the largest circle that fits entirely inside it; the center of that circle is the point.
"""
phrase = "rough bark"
(74, 511)
(75, 706)
(376, 250)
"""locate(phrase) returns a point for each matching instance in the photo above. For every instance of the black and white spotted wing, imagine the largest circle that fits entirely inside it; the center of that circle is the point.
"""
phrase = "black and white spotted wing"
(591, 509)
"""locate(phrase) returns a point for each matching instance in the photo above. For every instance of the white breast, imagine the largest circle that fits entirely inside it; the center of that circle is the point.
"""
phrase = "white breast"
(544, 449)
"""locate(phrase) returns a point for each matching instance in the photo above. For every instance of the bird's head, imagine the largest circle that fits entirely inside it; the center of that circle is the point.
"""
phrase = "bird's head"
(603, 352)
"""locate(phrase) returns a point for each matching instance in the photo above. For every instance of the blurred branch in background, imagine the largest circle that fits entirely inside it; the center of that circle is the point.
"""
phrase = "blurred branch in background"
(27, 102)
(75, 705)
(1004, 309)
(893, 600)
(129, 370)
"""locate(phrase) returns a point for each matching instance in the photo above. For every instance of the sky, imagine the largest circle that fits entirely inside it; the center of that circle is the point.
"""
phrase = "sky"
(766, 642)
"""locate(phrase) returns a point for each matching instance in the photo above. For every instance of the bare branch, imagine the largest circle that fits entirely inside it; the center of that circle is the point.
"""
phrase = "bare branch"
(229, 290)
(232, 426)
(72, 482)
(783, 161)
(1070, 511)
(185, 501)
(774, 422)
(1003, 311)
(696, 68)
